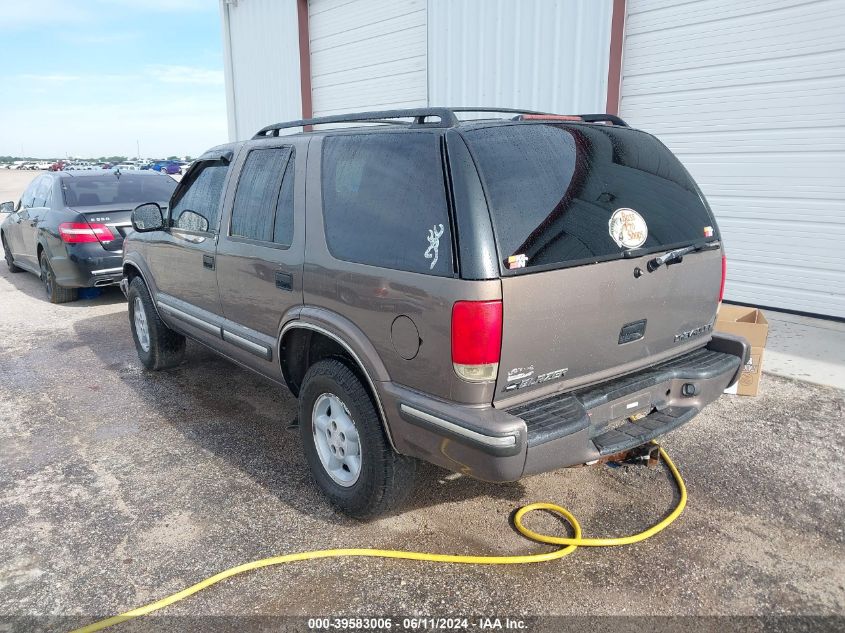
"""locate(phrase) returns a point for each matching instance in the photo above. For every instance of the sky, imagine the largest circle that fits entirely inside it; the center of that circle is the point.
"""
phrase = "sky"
(93, 77)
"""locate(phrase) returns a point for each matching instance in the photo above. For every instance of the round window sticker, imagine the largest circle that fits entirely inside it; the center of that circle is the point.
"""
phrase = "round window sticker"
(628, 228)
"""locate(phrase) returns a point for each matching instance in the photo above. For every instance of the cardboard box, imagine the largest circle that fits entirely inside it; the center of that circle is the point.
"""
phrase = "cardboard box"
(751, 324)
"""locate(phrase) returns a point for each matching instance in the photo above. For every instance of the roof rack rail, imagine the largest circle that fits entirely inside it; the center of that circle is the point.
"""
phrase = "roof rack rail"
(609, 118)
(446, 118)
(586, 118)
(502, 110)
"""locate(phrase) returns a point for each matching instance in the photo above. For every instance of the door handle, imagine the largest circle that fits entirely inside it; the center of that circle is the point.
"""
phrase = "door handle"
(284, 281)
(208, 261)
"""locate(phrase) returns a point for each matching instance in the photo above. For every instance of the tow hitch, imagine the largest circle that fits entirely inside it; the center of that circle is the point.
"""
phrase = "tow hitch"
(645, 455)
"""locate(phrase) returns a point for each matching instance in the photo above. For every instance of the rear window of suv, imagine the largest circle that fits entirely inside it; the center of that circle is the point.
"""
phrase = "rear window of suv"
(562, 195)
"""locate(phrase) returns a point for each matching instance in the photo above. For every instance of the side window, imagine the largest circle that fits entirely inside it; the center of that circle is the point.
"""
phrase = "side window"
(42, 189)
(384, 201)
(197, 206)
(29, 194)
(283, 229)
(259, 195)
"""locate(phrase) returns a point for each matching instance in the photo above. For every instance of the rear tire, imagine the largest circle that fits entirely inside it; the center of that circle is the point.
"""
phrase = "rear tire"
(55, 292)
(158, 346)
(382, 478)
(10, 261)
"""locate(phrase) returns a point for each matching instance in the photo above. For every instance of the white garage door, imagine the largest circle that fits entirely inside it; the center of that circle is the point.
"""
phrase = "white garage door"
(751, 96)
(367, 54)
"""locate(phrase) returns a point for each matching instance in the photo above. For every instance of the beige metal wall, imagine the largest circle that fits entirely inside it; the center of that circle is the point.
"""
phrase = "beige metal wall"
(751, 96)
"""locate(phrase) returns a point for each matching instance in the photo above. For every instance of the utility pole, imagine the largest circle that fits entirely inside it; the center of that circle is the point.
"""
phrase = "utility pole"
(138, 149)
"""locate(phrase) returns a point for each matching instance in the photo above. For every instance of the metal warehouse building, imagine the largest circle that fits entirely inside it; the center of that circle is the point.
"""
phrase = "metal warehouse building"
(750, 95)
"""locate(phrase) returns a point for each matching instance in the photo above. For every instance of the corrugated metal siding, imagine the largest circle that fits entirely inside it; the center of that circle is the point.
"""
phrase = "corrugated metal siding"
(547, 55)
(751, 96)
(262, 64)
(367, 54)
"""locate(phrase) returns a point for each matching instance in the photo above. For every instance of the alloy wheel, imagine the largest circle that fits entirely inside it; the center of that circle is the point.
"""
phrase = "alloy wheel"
(336, 439)
(142, 330)
(46, 277)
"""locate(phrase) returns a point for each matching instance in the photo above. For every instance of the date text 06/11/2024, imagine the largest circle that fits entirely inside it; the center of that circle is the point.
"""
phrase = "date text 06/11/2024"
(416, 624)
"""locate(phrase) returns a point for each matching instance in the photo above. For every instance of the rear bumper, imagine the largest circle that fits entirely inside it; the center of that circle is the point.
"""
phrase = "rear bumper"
(86, 266)
(565, 429)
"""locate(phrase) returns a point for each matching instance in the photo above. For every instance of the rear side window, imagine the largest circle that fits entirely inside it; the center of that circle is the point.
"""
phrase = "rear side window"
(263, 208)
(563, 194)
(197, 206)
(42, 191)
(29, 194)
(384, 202)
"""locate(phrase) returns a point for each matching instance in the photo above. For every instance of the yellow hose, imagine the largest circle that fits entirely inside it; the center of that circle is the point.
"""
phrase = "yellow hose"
(569, 545)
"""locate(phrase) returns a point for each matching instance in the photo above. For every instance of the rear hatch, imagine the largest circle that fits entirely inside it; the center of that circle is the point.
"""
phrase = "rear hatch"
(578, 213)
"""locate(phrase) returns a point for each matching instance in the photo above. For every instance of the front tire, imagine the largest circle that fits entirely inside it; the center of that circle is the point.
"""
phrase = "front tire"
(158, 346)
(345, 444)
(55, 292)
(10, 261)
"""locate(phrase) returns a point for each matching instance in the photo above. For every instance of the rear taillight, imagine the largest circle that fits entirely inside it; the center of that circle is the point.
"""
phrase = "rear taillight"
(724, 276)
(79, 232)
(476, 339)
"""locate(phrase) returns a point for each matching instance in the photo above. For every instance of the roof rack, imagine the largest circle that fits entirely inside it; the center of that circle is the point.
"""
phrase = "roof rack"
(446, 118)
(586, 118)
(502, 110)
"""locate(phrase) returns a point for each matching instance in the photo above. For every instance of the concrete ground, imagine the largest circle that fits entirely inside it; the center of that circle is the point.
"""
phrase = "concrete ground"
(119, 486)
(13, 182)
(807, 349)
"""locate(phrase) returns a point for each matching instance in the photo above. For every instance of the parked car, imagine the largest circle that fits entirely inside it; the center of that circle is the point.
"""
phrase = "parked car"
(68, 227)
(571, 323)
(167, 167)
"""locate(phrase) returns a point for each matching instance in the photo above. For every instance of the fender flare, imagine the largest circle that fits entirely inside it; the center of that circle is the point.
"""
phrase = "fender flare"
(344, 332)
(137, 268)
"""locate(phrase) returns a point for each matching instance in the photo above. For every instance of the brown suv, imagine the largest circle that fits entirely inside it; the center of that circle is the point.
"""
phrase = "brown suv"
(500, 297)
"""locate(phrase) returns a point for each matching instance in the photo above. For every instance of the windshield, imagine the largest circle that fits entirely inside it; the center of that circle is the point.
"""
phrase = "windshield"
(108, 189)
(572, 194)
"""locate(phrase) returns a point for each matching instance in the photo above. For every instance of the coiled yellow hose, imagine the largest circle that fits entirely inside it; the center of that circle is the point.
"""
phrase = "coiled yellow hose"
(569, 545)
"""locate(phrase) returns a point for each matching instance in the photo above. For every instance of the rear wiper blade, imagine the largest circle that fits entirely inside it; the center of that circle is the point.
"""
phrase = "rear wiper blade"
(673, 256)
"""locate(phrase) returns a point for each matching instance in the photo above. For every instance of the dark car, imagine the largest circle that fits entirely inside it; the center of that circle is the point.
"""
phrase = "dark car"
(500, 297)
(68, 227)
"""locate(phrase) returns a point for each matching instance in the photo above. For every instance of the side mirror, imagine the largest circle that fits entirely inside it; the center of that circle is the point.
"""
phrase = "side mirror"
(193, 221)
(147, 217)
(7, 207)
